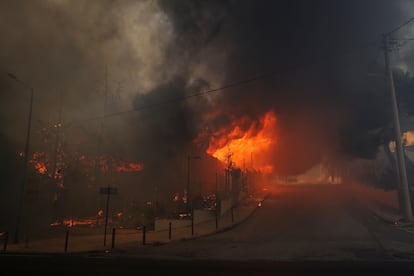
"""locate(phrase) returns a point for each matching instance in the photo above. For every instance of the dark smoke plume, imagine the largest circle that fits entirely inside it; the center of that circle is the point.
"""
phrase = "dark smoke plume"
(315, 61)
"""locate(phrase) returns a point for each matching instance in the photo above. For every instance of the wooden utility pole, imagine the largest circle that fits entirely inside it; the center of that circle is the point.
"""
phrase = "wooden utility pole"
(56, 149)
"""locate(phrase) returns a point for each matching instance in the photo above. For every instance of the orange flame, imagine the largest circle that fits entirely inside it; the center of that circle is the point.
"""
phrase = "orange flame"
(107, 164)
(129, 167)
(235, 145)
(40, 167)
(38, 162)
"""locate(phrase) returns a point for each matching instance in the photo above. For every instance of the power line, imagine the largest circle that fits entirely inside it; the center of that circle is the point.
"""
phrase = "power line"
(370, 43)
(400, 26)
(402, 39)
(179, 99)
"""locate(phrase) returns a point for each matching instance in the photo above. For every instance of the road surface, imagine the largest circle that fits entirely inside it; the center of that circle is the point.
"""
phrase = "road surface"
(307, 228)
(307, 222)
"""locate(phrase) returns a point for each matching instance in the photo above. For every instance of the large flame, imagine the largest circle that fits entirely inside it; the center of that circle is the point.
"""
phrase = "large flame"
(245, 148)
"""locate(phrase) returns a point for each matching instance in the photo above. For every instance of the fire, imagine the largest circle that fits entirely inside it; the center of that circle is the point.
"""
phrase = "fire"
(40, 167)
(234, 146)
(129, 167)
(108, 164)
(41, 163)
(38, 162)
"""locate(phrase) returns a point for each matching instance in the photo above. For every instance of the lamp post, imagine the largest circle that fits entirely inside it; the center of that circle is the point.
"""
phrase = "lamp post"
(26, 159)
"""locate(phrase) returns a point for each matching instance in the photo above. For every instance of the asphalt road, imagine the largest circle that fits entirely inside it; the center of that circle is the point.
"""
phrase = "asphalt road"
(297, 230)
(301, 223)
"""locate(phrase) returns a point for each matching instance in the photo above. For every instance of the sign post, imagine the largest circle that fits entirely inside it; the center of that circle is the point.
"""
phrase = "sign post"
(107, 191)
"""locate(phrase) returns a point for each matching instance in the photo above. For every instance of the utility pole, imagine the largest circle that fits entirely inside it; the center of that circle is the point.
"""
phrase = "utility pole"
(25, 176)
(25, 165)
(188, 185)
(228, 172)
(217, 202)
(190, 207)
(58, 125)
(56, 150)
(101, 133)
(404, 193)
(189, 203)
(108, 195)
(100, 146)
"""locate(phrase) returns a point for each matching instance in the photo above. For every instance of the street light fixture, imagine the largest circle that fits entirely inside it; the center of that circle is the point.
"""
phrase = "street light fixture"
(26, 158)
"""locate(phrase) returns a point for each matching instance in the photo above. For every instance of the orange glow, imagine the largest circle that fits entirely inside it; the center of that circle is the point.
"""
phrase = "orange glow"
(107, 164)
(241, 147)
(74, 222)
(41, 163)
(38, 162)
(408, 138)
(176, 197)
(40, 167)
(129, 167)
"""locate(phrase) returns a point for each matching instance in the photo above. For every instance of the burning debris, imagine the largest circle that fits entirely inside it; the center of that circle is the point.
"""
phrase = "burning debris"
(39, 162)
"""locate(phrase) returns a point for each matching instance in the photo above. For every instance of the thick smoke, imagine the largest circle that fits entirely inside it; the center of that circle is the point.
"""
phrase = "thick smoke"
(315, 57)
(311, 63)
(312, 55)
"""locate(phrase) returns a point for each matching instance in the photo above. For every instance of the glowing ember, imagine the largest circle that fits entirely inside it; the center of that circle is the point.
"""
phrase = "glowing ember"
(235, 145)
(107, 164)
(40, 167)
(129, 167)
(38, 163)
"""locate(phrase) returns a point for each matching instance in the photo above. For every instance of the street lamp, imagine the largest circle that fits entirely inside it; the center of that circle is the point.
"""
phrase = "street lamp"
(26, 158)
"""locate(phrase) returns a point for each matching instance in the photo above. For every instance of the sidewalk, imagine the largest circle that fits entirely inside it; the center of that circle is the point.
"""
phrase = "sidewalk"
(386, 213)
(383, 204)
(78, 240)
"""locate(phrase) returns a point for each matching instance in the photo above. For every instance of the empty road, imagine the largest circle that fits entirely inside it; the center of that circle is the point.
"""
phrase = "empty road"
(303, 222)
(300, 228)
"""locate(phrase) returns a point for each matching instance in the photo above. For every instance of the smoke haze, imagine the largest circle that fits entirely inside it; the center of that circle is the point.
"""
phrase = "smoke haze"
(129, 79)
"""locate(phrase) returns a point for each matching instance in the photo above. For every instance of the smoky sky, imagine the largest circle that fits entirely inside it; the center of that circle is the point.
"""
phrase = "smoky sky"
(315, 58)
(310, 61)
